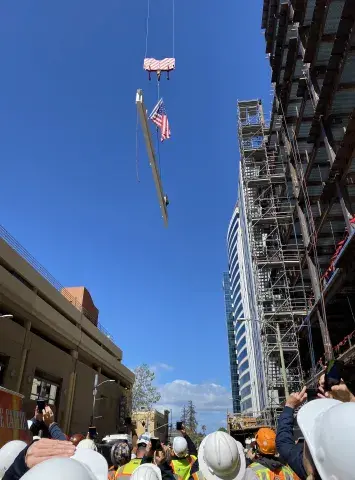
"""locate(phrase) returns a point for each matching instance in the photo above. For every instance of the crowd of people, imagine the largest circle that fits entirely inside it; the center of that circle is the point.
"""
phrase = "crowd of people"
(323, 452)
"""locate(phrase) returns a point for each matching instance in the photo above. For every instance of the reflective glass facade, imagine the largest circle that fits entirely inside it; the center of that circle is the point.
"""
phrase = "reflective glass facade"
(231, 343)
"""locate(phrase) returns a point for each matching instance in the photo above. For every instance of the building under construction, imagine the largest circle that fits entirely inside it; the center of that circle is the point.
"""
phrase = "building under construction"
(297, 182)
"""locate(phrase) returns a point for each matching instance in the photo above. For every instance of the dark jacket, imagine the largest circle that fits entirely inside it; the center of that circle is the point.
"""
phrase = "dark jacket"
(285, 444)
(19, 467)
(165, 468)
(53, 431)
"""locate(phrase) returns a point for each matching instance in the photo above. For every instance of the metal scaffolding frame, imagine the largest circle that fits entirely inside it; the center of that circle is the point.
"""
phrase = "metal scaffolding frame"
(275, 252)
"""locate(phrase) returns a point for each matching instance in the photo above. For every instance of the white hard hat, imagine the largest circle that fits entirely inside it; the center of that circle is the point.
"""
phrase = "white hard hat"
(328, 427)
(87, 443)
(147, 471)
(8, 453)
(94, 461)
(144, 439)
(59, 468)
(221, 457)
(180, 446)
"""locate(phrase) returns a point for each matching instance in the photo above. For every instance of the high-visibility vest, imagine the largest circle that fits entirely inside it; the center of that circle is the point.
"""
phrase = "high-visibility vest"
(264, 473)
(111, 473)
(182, 466)
(129, 468)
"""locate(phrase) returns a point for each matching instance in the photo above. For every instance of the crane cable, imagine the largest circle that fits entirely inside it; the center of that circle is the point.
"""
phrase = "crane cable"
(147, 28)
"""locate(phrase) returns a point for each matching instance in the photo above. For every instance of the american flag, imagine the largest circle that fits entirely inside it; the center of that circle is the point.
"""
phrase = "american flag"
(160, 119)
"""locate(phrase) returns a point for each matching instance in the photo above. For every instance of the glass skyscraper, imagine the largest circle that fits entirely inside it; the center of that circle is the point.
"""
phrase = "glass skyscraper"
(231, 343)
(246, 332)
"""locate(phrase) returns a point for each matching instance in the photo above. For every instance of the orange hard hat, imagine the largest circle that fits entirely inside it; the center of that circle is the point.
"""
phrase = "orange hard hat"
(266, 441)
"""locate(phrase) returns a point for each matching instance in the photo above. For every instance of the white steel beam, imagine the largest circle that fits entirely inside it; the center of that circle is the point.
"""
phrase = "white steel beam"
(151, 155)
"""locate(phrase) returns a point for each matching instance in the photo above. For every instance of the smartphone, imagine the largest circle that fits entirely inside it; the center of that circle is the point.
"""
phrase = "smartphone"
(156, 444)
(92, 433)
(312, 394)
(41, 405)
(332, 375)
(178, 425)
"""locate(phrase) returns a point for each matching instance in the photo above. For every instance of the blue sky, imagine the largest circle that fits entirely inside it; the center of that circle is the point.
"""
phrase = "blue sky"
(69, 192)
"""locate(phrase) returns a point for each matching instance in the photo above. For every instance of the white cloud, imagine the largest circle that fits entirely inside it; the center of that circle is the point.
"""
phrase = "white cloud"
(211, 401)
(207, 397)
(161, 366)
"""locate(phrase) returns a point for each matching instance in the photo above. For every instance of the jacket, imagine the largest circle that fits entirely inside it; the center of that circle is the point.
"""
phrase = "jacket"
(285, 444)
(53, 431)
(270, 468)
(165, 468)
(19, 467)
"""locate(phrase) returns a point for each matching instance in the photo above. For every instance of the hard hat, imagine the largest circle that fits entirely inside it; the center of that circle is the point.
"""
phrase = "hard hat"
(87, 443)
(120, 453)
(147, 471)
(328, 427)
(94, 461)
(76, 439)
(144, 439)
(8, 453)
(180, 446)
(59, 468)
(221, 457)
(266, 441)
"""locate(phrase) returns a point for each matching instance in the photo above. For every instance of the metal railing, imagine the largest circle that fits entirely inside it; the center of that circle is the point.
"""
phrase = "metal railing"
(15, 245)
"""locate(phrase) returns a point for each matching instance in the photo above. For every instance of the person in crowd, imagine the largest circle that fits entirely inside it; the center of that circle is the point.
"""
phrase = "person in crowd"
(8, 453)
(339, 392)
(117, 454)
(328, 427)
(43, 425)
(221, 457)
(58, 469)
(266, 465)
(184, 461)
(148, 471)
(36, 453)
(76, 439)
(291, 452)
(134, 463)
(161, 458)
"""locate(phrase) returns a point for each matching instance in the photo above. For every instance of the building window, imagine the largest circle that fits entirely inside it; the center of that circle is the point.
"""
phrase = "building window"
(4, 361)
(44, 390)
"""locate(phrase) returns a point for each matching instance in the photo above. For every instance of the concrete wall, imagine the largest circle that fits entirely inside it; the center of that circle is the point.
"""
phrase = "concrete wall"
(57, 363)
(153, 420)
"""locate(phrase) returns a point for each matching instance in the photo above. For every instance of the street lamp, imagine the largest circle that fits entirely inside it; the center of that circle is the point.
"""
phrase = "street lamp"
(279, 344)
(96, 386)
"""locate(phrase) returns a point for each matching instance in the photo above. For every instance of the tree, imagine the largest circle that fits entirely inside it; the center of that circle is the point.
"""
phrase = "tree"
(191, 421)
(144, 393)
(204, 428)
(222, 429)
(184, 415)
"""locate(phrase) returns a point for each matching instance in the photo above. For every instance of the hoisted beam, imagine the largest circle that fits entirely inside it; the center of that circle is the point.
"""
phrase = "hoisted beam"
(151, 155)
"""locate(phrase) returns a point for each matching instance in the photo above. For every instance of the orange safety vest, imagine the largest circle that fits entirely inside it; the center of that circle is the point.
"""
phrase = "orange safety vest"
(182, 466)
(129, 468)
(264, 473)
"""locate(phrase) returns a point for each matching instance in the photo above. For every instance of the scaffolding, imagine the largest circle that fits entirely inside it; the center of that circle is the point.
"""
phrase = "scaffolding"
(275, 253)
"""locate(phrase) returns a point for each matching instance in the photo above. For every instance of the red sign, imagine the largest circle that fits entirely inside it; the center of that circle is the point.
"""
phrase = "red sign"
(13, 423)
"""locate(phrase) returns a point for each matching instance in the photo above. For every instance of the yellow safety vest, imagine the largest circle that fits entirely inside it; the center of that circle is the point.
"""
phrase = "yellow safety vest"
(264, 473)
(182, 466)
(129, 468)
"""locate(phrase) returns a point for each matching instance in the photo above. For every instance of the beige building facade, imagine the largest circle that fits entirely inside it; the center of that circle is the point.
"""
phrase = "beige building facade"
(52, 347)
(153, 422)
